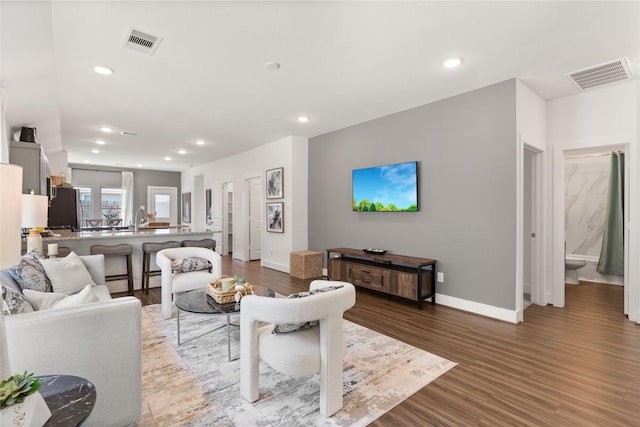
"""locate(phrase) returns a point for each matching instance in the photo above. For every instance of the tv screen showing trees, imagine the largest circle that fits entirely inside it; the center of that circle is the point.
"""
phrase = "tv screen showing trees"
(389, 188)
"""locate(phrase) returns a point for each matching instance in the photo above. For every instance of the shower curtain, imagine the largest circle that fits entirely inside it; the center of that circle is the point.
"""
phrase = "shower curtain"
(612, 252)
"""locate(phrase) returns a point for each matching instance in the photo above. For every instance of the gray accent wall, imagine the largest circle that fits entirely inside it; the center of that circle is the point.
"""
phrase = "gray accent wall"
(106, 176)
(466, 152)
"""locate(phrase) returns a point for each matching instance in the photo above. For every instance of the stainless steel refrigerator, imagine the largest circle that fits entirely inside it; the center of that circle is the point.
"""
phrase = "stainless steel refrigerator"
(65, 210)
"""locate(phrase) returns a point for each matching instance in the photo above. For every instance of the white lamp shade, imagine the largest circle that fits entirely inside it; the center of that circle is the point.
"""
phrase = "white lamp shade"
(10, 219)
(34, 210)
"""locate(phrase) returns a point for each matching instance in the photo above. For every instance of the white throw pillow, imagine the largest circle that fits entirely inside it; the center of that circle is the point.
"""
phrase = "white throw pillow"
(42, 300)
(68, 275)
(83, 297)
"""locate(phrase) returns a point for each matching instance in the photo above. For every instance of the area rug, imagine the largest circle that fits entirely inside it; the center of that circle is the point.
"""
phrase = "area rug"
(195, 385)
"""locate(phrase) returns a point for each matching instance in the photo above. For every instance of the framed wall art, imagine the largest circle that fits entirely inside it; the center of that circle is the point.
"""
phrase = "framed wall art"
(275, 183)
(186, 208)
(208, 206)
(275, 217)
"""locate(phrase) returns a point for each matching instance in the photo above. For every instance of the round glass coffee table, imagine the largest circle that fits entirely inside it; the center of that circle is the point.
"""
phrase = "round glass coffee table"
(200, 302)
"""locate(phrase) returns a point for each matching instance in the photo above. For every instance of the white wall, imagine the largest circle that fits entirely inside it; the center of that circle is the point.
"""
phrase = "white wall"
(599, 117)
(291, 153)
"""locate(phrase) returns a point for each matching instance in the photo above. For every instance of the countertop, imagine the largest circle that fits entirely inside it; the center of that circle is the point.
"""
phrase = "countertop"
(113, 234)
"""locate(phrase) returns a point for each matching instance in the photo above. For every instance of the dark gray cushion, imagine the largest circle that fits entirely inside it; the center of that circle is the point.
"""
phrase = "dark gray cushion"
(285, 328)
(188, 265)
(13, 302)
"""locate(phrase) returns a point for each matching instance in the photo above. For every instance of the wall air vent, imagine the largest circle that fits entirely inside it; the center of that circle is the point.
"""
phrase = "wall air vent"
(140, 41)
(602, 74)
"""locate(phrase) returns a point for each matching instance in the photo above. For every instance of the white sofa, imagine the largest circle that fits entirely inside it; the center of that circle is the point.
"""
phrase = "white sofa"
(99, 341)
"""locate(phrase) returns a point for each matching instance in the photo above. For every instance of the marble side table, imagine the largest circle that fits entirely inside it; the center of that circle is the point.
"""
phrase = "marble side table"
(70, 399)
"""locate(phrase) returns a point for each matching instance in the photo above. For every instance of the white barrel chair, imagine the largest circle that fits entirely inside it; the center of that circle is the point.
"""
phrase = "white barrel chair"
(317, 349)
(173, 283)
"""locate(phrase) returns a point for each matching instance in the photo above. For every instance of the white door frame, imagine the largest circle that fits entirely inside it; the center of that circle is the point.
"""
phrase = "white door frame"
(255, 212)
(538, 295)
(537, 261)
(246, 194)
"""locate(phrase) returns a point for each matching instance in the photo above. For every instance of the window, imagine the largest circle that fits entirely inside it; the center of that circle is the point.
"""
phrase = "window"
(111, 206)
(85, 203)
(162, 205)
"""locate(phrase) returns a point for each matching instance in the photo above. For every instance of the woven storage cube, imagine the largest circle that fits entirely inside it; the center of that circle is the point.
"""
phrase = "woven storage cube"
(305, 264)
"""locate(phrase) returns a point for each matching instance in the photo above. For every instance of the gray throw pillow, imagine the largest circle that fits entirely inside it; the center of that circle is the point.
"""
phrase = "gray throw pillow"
(188, 265)
(30, 274)
(14, 302)
(285, 328)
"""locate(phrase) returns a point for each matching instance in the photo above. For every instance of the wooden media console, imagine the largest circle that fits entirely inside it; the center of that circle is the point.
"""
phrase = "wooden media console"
(398, 275)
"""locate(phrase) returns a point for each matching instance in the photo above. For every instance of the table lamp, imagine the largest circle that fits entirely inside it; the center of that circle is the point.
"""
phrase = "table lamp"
(10, 239)
(34, 215)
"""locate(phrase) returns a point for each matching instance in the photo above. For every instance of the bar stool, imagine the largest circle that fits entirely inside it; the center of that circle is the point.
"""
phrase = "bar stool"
(123, 249)
(204, 243)
(147, 249)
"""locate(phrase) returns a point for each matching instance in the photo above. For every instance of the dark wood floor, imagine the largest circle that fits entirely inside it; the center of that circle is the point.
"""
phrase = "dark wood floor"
(576, 366)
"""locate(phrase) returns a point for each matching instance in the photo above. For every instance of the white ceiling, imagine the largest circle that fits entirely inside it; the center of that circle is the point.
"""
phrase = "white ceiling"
(342, 63)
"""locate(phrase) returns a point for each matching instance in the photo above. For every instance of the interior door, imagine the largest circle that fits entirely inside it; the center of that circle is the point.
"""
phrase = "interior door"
(255, 218)
(163, 203)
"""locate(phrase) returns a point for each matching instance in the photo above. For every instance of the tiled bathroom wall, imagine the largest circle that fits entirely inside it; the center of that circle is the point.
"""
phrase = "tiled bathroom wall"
(586, 188)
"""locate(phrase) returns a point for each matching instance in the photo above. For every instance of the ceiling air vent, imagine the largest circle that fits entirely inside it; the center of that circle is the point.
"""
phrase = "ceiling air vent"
(141, 41)
(601, 74)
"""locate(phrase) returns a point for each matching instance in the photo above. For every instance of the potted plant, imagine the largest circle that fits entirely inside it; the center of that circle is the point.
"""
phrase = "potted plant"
(20, 404)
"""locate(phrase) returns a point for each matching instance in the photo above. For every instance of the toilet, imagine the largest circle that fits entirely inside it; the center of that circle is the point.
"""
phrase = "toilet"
(571, 264)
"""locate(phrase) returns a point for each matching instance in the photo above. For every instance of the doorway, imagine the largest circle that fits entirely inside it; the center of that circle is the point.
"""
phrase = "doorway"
(585, 190)
(532, 227)
(227, 218)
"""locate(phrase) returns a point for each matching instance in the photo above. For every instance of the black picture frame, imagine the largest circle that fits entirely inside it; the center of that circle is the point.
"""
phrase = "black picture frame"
(208, 204)
(275, 217)
(186, 208)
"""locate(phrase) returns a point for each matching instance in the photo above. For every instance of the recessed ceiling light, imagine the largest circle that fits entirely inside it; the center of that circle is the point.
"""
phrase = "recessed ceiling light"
(139, 166)
(452, 62)
(200, 142)
(168, 159)
(182, 151)
(100, 142)
(86, 161)
(303, 119)
(106, 129)
(272, 65)
(95, 151)
(103, 70)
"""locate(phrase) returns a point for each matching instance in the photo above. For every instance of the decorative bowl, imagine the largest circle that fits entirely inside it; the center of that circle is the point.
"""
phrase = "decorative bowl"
(374, 251)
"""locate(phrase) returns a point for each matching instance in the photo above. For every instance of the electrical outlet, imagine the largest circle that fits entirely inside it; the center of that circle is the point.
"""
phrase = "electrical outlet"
(440, 277)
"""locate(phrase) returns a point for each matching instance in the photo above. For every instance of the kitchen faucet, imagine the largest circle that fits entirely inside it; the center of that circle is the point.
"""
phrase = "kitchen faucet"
(135, 219)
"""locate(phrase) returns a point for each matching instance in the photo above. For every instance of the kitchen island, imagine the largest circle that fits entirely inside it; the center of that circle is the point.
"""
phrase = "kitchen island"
(80, 242)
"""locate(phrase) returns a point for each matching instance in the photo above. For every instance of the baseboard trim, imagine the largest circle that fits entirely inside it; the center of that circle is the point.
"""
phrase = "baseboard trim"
(275, 266)
(486, 310)
(478, 308)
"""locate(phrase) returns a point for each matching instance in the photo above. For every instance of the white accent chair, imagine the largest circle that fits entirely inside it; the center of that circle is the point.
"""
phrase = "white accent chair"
(173, 283)
(320, 348)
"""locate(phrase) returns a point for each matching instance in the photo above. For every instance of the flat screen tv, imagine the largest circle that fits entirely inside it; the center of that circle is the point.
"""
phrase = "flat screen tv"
(389, 188)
